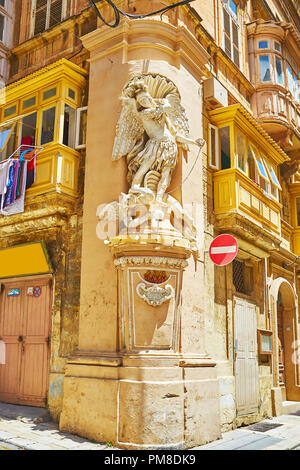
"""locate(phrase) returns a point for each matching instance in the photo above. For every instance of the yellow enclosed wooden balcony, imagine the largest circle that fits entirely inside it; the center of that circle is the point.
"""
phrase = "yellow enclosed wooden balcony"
(234, 192)
(56, 170)
(44, 110)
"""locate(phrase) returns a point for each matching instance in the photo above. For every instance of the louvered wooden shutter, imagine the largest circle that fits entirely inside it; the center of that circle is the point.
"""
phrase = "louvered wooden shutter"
(40, 16)
(235, 44)
(55, 12)
(227, 32)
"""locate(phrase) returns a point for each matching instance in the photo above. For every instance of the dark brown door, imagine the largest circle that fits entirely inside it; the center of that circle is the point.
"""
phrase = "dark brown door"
(25, 309)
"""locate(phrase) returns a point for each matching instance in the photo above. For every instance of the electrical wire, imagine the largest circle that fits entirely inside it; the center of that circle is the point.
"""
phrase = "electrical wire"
(118, 13)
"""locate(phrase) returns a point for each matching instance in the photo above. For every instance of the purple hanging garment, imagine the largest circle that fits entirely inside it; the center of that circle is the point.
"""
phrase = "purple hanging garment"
(10, 186)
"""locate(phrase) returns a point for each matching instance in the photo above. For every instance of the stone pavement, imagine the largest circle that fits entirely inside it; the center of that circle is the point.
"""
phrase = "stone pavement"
(30, 428)
(284, 437)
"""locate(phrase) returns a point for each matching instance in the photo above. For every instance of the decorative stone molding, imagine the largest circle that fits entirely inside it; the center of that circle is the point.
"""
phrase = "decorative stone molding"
(152, 260)
(155, 295)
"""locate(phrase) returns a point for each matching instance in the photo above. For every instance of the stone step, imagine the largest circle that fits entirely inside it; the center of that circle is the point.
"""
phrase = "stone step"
(290, 407)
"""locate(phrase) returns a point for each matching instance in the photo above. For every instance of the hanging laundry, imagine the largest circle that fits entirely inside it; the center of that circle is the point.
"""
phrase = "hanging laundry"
(4, 175)
(8, 199)
(17, 207)
(31, 173)
(17, 166)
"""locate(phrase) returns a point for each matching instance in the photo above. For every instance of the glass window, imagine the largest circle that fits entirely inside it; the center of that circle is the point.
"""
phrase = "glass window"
(253, 173)
(263, 45)
(233, 7)
(69, 126)
(265, 72)
(259, 164)
(277, 46)
(290, 79)
(48, 124)
(279, 71)
(241, 152)
(2, 22)
(296, 96)
(298, 209)
(72, 94)
(10, 111)
(81, 127)
(273, 176)
(29, 102)
(28, 129)
(213, 146)
(49, 93)
(7, 140)
(224, 133)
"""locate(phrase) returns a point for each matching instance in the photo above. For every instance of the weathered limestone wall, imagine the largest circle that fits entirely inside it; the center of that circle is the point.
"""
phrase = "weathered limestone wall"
(57, 220)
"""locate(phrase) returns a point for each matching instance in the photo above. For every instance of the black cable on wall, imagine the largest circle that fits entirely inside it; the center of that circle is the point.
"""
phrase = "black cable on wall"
(119, 12)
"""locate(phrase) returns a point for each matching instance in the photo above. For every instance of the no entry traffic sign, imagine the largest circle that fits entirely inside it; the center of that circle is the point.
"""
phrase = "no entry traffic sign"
(223, 249)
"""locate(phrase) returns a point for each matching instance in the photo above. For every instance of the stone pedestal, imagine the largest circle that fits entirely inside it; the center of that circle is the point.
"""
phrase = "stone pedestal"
(141, 378)
(149, 394)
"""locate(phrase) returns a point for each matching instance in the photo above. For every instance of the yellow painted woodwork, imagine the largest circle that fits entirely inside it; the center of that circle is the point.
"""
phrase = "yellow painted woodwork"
(234, 192)
(237, 115)
(56, 170)
(24, 260)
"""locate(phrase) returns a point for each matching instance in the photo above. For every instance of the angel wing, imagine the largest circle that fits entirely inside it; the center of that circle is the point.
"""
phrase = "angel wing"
(129, 129)
(176, 113)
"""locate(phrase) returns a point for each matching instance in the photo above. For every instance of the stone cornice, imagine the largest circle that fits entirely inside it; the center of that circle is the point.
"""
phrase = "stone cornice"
(177, 42)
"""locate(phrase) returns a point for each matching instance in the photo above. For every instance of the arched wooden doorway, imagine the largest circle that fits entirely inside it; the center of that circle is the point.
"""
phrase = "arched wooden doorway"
(284, 325)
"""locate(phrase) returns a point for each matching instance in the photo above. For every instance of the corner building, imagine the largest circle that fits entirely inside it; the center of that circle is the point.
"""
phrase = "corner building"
(108, 366)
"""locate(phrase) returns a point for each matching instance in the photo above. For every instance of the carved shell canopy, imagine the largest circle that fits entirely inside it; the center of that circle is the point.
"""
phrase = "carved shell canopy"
(158, 86)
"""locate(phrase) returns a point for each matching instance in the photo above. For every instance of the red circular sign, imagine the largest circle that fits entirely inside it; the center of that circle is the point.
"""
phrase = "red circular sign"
(223, 249)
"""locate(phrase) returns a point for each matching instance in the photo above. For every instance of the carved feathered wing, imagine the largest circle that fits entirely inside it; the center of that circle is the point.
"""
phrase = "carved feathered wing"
(176, 113)
(129, 130)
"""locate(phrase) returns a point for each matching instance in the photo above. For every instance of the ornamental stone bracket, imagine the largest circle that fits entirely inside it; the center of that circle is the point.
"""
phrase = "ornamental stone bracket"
(155, 295)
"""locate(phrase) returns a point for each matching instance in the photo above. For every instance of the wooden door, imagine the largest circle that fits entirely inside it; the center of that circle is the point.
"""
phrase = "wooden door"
(25, 328)
(246, 365)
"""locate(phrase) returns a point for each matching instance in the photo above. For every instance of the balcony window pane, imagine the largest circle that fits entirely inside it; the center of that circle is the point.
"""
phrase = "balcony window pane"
(279, 71)
(10, 111)
(265, 73)
(2, 20)
(233, 7)
(298, 210)
(273, 176)
(263, 45)
(48, 123)
(28, 129)
(81, 127)
(29, 102)
(277, 46)
(225, 147)
(49, 93)
(241, 151)
(259, 164)
(69, 126)
(4, 133)
(290, 79)
(8, 141)
(253, 174)
(296, 90)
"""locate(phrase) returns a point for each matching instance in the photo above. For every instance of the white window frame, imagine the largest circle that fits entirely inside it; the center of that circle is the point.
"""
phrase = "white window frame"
(77, 132)
(33, 10)
(217, 147)
(232, 18)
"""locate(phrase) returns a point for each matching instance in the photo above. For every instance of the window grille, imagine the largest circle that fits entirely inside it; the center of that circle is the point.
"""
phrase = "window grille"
(238, 276)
